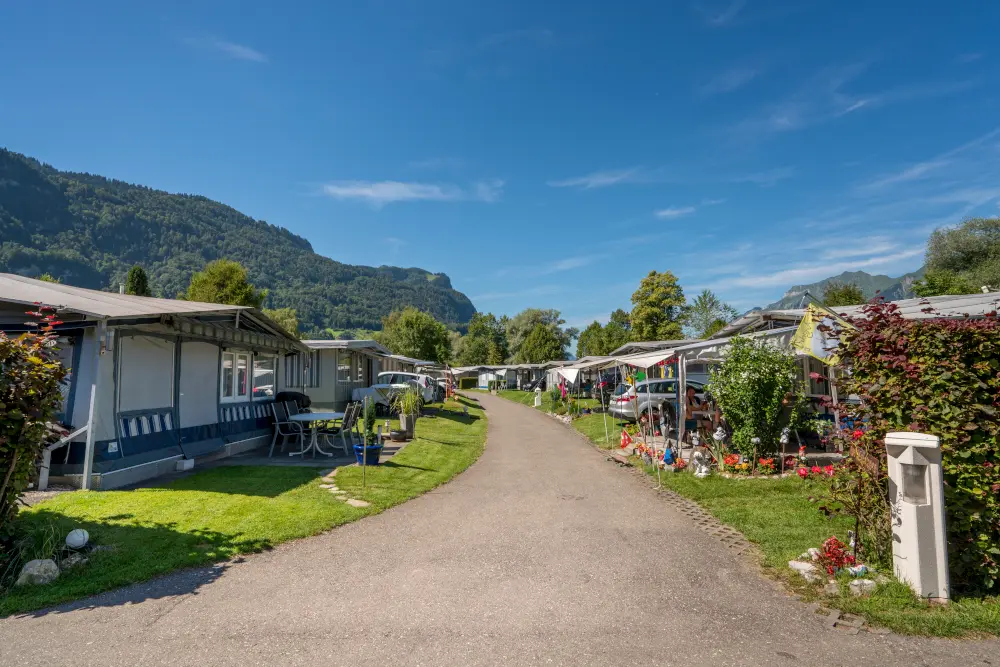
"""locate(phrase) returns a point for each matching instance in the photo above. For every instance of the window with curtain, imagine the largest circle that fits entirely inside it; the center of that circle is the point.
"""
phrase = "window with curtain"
(235, 381)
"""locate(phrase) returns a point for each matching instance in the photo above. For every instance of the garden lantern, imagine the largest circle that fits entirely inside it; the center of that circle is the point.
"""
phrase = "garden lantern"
(916, 491)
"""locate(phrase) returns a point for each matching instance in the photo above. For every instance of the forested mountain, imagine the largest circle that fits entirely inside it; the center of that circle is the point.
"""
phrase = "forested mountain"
(88, 230)
(892, 289)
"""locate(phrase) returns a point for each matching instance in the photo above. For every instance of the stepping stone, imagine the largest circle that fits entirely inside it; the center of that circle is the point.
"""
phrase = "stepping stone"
(327, 486)
(354, 502)
(338, 492)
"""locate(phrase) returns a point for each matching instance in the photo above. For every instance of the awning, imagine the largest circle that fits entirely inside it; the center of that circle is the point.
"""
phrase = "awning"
(571, 374)
(715, 349)
(642, 360)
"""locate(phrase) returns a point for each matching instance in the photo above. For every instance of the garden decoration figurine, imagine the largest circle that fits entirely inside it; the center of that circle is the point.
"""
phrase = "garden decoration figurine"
(702, 465)
(719, 435)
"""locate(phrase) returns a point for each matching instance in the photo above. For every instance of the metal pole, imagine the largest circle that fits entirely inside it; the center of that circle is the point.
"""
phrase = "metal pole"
(364, 447)
(88, 455)
(604, 411)
(681, 404)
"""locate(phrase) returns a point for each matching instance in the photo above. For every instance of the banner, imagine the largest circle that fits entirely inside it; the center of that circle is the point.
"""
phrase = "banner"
(812, 340)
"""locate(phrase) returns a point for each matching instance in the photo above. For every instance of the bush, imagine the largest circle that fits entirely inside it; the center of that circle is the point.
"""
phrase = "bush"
(756, 386)
(30, 374)
(938, 376)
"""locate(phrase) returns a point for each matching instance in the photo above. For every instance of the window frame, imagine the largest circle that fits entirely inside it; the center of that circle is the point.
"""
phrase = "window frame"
(236, 397)
(253, 376)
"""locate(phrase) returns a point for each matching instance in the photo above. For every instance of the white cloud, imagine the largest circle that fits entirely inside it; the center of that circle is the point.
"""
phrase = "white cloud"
(921, 170)
(598, 179)
(567, 264)
(767, 178)
(825, 96)
(380, 193)
(730, 80)
(812, 272)
(675, 211)
(720, 16)
(229, 49)
(541, 290)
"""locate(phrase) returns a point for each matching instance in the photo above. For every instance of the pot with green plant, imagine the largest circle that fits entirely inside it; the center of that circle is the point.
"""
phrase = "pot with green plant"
(407, 405)
(368, 452)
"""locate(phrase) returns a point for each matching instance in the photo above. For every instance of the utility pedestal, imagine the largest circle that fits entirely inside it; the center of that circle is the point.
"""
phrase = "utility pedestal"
(916, 490)
(538, 397)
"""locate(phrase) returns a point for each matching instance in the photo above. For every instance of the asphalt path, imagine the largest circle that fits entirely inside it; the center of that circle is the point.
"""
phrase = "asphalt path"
(541, 553)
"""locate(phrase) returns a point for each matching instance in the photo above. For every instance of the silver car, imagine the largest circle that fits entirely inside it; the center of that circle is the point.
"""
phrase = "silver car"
(628, 402)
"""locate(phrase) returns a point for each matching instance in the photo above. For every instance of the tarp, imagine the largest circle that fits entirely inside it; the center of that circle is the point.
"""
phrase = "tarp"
(571, 374)
(643, 360)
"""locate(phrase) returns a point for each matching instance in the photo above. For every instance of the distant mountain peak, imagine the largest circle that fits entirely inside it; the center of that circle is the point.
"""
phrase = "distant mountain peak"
(89, 230)
(892, 289)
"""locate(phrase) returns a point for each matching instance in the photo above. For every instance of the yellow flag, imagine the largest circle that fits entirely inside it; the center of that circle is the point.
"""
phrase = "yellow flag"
(809, 339)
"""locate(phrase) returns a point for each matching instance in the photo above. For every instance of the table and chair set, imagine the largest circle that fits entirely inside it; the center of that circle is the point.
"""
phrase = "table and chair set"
(309, 427)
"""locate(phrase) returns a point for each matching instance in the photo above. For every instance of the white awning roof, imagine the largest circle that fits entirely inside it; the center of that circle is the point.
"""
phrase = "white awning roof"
(642, 360)
(714, 349)
(571, 374)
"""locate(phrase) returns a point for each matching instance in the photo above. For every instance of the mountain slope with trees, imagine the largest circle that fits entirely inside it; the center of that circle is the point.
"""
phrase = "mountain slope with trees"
(89, 231)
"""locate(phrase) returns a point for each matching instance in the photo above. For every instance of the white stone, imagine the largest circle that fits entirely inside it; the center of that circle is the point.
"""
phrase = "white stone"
(354, 502)
(77, 539)
(38, 573)
(861, 587)
(814, 553)
(831, 589)
(807, 570)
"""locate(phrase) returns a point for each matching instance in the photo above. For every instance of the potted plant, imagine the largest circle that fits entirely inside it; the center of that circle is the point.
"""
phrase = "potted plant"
(369, 452)
(407, 405)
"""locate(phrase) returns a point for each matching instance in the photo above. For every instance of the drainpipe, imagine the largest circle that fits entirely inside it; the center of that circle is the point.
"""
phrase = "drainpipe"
(88, 456)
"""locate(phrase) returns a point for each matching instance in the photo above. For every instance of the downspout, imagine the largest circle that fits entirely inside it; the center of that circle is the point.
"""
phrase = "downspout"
(88, 455)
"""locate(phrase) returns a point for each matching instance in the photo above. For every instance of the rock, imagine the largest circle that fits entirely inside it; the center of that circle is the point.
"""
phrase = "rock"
(354, 502)
(807, 570)
(38, 573)
(831, 589)
(861, 587)
(71, 561)
(77, 539)
(814, 553)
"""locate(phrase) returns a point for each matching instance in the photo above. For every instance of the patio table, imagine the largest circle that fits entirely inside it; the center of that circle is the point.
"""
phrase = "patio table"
(309, 417)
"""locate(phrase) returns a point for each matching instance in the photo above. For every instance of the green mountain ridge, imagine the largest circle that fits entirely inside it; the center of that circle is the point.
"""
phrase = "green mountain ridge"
(892, 289)
(89, 230)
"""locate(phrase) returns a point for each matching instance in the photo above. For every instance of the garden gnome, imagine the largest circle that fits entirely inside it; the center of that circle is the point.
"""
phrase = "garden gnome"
(702, 465)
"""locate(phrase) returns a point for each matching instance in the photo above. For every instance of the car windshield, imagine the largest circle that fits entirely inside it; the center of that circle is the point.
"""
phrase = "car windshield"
(621, 389)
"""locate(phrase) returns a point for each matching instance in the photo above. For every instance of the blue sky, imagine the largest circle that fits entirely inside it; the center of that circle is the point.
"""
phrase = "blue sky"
(541, 154)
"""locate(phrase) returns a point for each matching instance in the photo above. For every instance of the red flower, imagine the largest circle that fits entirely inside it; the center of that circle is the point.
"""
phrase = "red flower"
(802, 472)
(816, 470)
(828, 470)
(858, 433)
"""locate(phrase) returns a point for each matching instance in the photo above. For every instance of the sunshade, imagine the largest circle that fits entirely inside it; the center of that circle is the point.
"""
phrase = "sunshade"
(642, 360)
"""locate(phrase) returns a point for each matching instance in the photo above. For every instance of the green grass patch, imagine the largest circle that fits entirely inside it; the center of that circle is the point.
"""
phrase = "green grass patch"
(781, 517)
(226, 511)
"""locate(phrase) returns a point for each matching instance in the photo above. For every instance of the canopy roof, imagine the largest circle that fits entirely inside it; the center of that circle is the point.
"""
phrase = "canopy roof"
(372, 345)
(642, 359)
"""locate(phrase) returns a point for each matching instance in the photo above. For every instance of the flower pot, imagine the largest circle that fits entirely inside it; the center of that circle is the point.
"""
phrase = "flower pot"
(371, 456)
(407, 423)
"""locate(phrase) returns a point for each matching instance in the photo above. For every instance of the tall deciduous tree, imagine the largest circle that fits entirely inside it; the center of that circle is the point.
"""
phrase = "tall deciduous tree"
(591, 341)
(522, 324)
(842, 294)
(541, 345)
(416, 334)
(658, 308)
(962, 259)
(137, 282)
(224, 281)
(707, 314)
(286, 318)
(486, 341)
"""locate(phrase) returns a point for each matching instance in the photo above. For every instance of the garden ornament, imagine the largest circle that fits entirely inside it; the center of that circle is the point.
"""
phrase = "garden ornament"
(695, 439)
(719, 435)
(77, 539)
(702, 465)
(784, 437)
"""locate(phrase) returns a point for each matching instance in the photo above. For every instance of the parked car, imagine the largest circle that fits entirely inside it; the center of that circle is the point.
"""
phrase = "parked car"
(628, 402)
(428, 387)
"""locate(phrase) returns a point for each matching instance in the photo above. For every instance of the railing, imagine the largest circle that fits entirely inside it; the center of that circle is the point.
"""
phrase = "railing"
(43, 474)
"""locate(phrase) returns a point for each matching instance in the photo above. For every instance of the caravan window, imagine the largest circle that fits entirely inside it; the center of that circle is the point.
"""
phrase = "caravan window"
(234, 383)
(344, 362)
(264, 376)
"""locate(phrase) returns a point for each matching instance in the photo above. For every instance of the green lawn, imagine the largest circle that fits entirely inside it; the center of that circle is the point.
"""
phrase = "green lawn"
(222, 512)
(782, 518)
